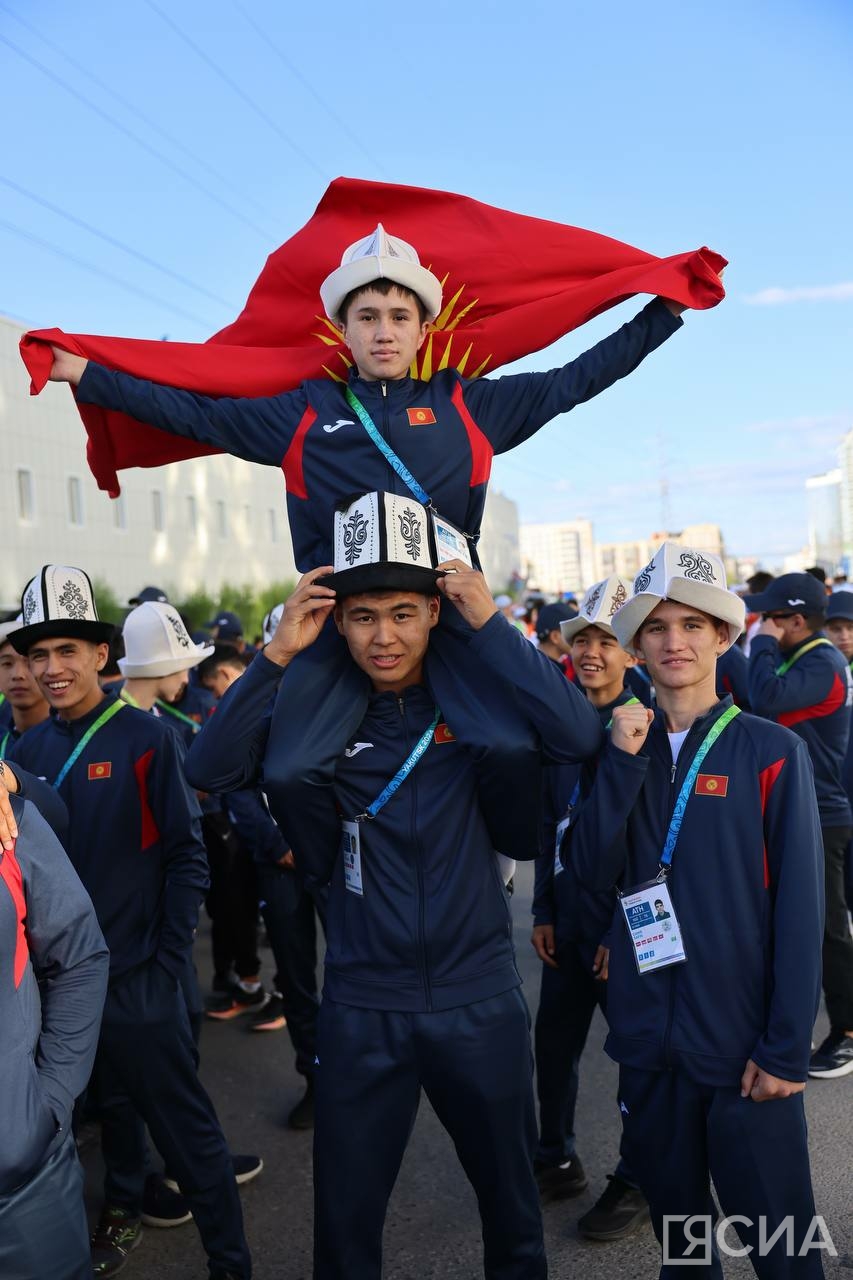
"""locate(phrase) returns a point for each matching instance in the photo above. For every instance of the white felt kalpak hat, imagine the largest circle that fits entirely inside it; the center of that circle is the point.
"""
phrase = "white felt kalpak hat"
(156, 643)
(598, 606)
(380, 257)
(385, 542)
(60, 602)
(686, 576)
(6, 628)
(271, 621)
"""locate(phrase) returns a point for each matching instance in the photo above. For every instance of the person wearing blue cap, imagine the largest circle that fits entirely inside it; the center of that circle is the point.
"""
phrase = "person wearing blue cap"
(798, 678)
(226, 628)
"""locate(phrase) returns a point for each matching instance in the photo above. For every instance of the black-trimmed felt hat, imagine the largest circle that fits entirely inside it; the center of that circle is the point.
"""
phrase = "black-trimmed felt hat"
(384, 542)
(60, 601)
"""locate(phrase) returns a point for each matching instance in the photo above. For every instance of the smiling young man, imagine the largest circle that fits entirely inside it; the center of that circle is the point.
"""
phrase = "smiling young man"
(384, 429)
(571, 928)
(421, 987)
(134, 841)
(797, 677)
(709, 815)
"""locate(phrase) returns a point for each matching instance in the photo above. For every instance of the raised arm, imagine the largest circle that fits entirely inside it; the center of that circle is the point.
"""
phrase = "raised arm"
(808, 683)
(509, 410)
(257, 429)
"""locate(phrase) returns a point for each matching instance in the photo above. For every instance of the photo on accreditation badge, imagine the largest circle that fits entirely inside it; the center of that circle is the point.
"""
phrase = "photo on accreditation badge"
(450, 543)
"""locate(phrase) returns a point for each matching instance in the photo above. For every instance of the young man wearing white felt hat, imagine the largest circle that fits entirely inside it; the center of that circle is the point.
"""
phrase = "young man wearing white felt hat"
(442, 431)
(158, 653)
(571, 928)
(708, 815)
(421, 988)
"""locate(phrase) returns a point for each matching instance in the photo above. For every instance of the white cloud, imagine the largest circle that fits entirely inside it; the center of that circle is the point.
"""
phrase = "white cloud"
(776, 297)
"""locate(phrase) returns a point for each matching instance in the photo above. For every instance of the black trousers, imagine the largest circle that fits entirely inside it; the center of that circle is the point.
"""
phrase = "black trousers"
(837, 941)
(147, 1066)
(474, 1064)
(288, 911)
(568, 998)
(678, 1133)
(232, 899)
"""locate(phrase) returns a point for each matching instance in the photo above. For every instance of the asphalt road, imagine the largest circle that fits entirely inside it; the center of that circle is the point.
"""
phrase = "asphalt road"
(432, 1229)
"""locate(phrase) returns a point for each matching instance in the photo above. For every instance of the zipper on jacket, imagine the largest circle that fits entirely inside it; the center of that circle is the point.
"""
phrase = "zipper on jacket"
(416, 845)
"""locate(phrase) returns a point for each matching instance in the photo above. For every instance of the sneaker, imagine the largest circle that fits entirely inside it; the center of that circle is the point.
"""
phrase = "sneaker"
(161, 1205)
(302, 1115)
(115, 1237)
(618, 1211)
(237, 1002)
(245, 1169)
(560, 1181)
(271, 1017)
(833, 1058)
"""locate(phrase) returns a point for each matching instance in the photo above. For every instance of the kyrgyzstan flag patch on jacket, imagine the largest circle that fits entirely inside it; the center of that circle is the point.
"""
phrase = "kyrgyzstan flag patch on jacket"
(103, 769)
(420, 417)
(712, 784)
(443, 733)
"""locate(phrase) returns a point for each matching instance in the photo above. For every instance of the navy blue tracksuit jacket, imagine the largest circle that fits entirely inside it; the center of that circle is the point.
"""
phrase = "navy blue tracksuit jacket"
(813, 698)
(135, 837)
(747, 886)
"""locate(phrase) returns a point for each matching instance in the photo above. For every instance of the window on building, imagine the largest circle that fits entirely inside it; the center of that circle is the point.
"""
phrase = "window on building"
(192, 513)
(26, 495)
(221, 519)
(273, 524)
(75, 501)
(158, 511)
(120, 512)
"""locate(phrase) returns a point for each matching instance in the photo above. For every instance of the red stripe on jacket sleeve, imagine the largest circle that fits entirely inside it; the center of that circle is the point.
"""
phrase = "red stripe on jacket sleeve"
(10, 874)
(766, 782)
(836, 698)
(150, 832)
(481, 451)
(291, 463)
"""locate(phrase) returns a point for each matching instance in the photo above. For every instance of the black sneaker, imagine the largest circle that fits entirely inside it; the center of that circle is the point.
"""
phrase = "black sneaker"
(161, 1206)
(271, 1017)
(245, 1169)
(302, 1115)
(560, 1181)
(113, 1240)
(618, 1211)
(833, 1058)
(237, 1002)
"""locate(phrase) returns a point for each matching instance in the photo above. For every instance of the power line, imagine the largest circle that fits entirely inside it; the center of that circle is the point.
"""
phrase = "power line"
(235, 88)
(294, 71)
(126, 248)
(134, 110)
(105, 275)
(128, 133)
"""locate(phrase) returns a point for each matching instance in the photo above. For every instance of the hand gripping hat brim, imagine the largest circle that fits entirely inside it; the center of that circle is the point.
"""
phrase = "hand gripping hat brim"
(383, 542)
(380, 257)
(688, 577)
(599, 606)
(59, 602)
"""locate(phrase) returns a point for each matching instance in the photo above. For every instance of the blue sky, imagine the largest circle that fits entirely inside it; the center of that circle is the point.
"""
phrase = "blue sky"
(199, 136)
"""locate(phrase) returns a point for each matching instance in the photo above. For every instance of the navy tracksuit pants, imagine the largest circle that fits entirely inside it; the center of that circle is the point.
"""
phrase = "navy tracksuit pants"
(474, 1064)
(43, 1230)
(677, 1133)
(568, 998)
(288, 911)
(147, 1066)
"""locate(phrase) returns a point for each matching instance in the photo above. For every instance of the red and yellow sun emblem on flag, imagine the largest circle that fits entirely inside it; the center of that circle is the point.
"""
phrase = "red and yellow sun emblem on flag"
(103, 769)
(437, 353)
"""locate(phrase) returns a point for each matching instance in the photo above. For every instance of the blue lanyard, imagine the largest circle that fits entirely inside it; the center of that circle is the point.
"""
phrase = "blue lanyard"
(102, 719)
(384, 448)
(4, 744)
(687, 785)
(402, 773)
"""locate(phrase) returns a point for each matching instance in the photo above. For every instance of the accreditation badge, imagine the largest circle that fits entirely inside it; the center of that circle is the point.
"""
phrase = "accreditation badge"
(351, 854)
(652, 926)
(450, 542)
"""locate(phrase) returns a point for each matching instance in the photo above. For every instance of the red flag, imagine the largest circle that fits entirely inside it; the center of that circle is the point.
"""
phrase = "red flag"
(512, 285)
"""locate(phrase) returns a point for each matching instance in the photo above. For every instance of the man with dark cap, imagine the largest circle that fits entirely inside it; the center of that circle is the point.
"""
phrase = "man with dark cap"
(226, 628)
(798, 678)
(551, 640)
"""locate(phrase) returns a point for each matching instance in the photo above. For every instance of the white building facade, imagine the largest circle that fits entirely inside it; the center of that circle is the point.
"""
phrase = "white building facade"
(558, 557)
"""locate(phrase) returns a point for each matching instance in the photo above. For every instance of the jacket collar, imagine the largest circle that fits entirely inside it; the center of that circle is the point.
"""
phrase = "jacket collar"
(80, 725)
